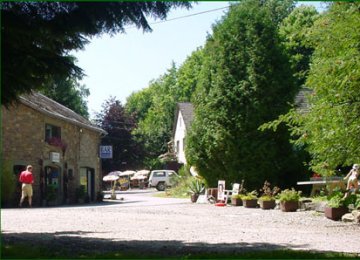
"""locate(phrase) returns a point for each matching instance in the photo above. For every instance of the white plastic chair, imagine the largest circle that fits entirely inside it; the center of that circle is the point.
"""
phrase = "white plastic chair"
(234, 191)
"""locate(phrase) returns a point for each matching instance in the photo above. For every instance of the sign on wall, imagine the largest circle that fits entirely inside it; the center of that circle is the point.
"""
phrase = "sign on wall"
(55, 157)
(106, 151)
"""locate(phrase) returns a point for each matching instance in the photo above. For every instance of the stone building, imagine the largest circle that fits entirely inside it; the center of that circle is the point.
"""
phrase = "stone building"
(62, 147)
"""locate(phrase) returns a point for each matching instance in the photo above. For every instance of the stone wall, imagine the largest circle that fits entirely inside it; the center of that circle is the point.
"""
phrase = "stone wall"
(23, 143)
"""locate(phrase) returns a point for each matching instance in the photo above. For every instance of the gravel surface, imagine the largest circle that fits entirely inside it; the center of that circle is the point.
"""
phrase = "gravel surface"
(174, 226)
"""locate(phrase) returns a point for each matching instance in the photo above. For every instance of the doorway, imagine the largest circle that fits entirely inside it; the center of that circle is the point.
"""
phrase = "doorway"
(87, 179)
(53, 181)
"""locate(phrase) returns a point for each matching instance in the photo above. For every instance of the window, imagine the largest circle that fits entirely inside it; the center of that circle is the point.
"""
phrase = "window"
(159, 174)
(52, 131)
(177, 146)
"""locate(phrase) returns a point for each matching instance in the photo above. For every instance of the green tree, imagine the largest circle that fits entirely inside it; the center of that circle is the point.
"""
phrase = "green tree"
(38, 36)
(139, 103)
(331, 128)
(245, 81)
(69, 93)
(294, 32)
(155, 130)
(188, 76)
(154, 107)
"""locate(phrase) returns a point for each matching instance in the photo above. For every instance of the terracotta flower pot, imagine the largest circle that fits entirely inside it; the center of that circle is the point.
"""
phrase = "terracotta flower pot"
(267, 204)
(250, 203)
(194, 197)
(289, 206)
(335, 213)
(236, 202)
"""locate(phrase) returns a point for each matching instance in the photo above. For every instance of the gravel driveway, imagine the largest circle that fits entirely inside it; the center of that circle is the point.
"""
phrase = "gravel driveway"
(174, 226)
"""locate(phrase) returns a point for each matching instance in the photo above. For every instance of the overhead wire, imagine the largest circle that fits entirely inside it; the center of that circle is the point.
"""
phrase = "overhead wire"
(184, 16)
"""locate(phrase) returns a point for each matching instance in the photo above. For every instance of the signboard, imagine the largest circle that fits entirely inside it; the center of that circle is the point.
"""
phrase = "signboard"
(55, 157)
(106, 151)
(221, 190)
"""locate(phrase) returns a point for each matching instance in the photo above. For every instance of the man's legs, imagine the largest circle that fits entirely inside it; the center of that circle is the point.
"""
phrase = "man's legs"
(21, 200)
(30, 200)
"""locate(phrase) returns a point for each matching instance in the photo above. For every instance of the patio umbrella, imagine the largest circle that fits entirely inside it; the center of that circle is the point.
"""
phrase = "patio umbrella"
(140, 175)
(112, 176)
(143, 172)
(127, 173)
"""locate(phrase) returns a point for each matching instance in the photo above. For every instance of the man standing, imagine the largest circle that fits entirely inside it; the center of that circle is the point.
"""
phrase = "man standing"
(26, 178)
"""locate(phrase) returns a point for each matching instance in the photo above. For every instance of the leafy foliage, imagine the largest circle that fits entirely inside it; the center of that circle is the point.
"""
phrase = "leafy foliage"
(196, 186)
(38, 36)
(154, 107)
(290, 195)
(330, 130)
(69, 93)
(245, 81)
(294, 31)
(332, 125)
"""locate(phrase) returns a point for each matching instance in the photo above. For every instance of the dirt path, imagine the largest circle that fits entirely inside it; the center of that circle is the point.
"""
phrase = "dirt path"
(173, 226)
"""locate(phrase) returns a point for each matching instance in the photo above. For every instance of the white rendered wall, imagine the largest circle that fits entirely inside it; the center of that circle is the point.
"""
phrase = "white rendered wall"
(180, 133)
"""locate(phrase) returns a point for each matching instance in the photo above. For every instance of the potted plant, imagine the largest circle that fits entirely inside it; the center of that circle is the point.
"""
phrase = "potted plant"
(196, 187)
(289, 200)
(336, 205)
(80, 193)
(250, 199)
(267, 199)
(236, 199)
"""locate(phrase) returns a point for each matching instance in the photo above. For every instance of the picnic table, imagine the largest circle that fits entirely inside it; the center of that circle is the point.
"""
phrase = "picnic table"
(329, 182)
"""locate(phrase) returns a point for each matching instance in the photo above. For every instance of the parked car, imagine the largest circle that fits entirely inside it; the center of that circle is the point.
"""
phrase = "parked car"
(160, 179)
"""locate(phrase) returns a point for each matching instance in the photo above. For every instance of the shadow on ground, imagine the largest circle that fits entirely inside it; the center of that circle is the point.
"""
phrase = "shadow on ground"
(73, 244)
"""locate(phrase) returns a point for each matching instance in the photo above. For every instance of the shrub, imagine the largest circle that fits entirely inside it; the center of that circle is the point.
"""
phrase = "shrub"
(196, 186)
(290, 195)
(250, 195)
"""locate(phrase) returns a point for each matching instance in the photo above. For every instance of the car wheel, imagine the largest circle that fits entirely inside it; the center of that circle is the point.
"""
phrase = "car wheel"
(160, 186)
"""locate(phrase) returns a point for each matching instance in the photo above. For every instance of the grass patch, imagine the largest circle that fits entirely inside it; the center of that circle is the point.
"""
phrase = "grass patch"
(29, 252)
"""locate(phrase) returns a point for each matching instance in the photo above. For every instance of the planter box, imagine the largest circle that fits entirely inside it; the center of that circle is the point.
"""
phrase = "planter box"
(289, 206)
(335, 213)
(267, 204)
(236, 202)
(250, 203)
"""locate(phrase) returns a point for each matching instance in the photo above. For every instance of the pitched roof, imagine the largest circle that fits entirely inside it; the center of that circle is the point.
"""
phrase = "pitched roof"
(53, 109)
(301, 100)
(187, 112)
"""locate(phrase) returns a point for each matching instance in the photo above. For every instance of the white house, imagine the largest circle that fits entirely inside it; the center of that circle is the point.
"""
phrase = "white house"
(183, 117)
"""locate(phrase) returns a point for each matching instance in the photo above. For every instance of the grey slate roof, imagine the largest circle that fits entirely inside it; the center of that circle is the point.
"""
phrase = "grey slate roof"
(51, 108)
(301, 102)
(187, 111)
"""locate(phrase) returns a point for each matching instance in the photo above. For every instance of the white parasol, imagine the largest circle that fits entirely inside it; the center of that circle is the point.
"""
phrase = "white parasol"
(140, 175)
(112, 176)
(127, 173)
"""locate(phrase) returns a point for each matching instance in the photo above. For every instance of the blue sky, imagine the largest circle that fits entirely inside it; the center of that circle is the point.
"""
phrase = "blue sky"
(119, 65)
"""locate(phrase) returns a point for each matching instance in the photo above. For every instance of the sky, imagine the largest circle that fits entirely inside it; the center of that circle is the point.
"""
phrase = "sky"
(125, 63)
